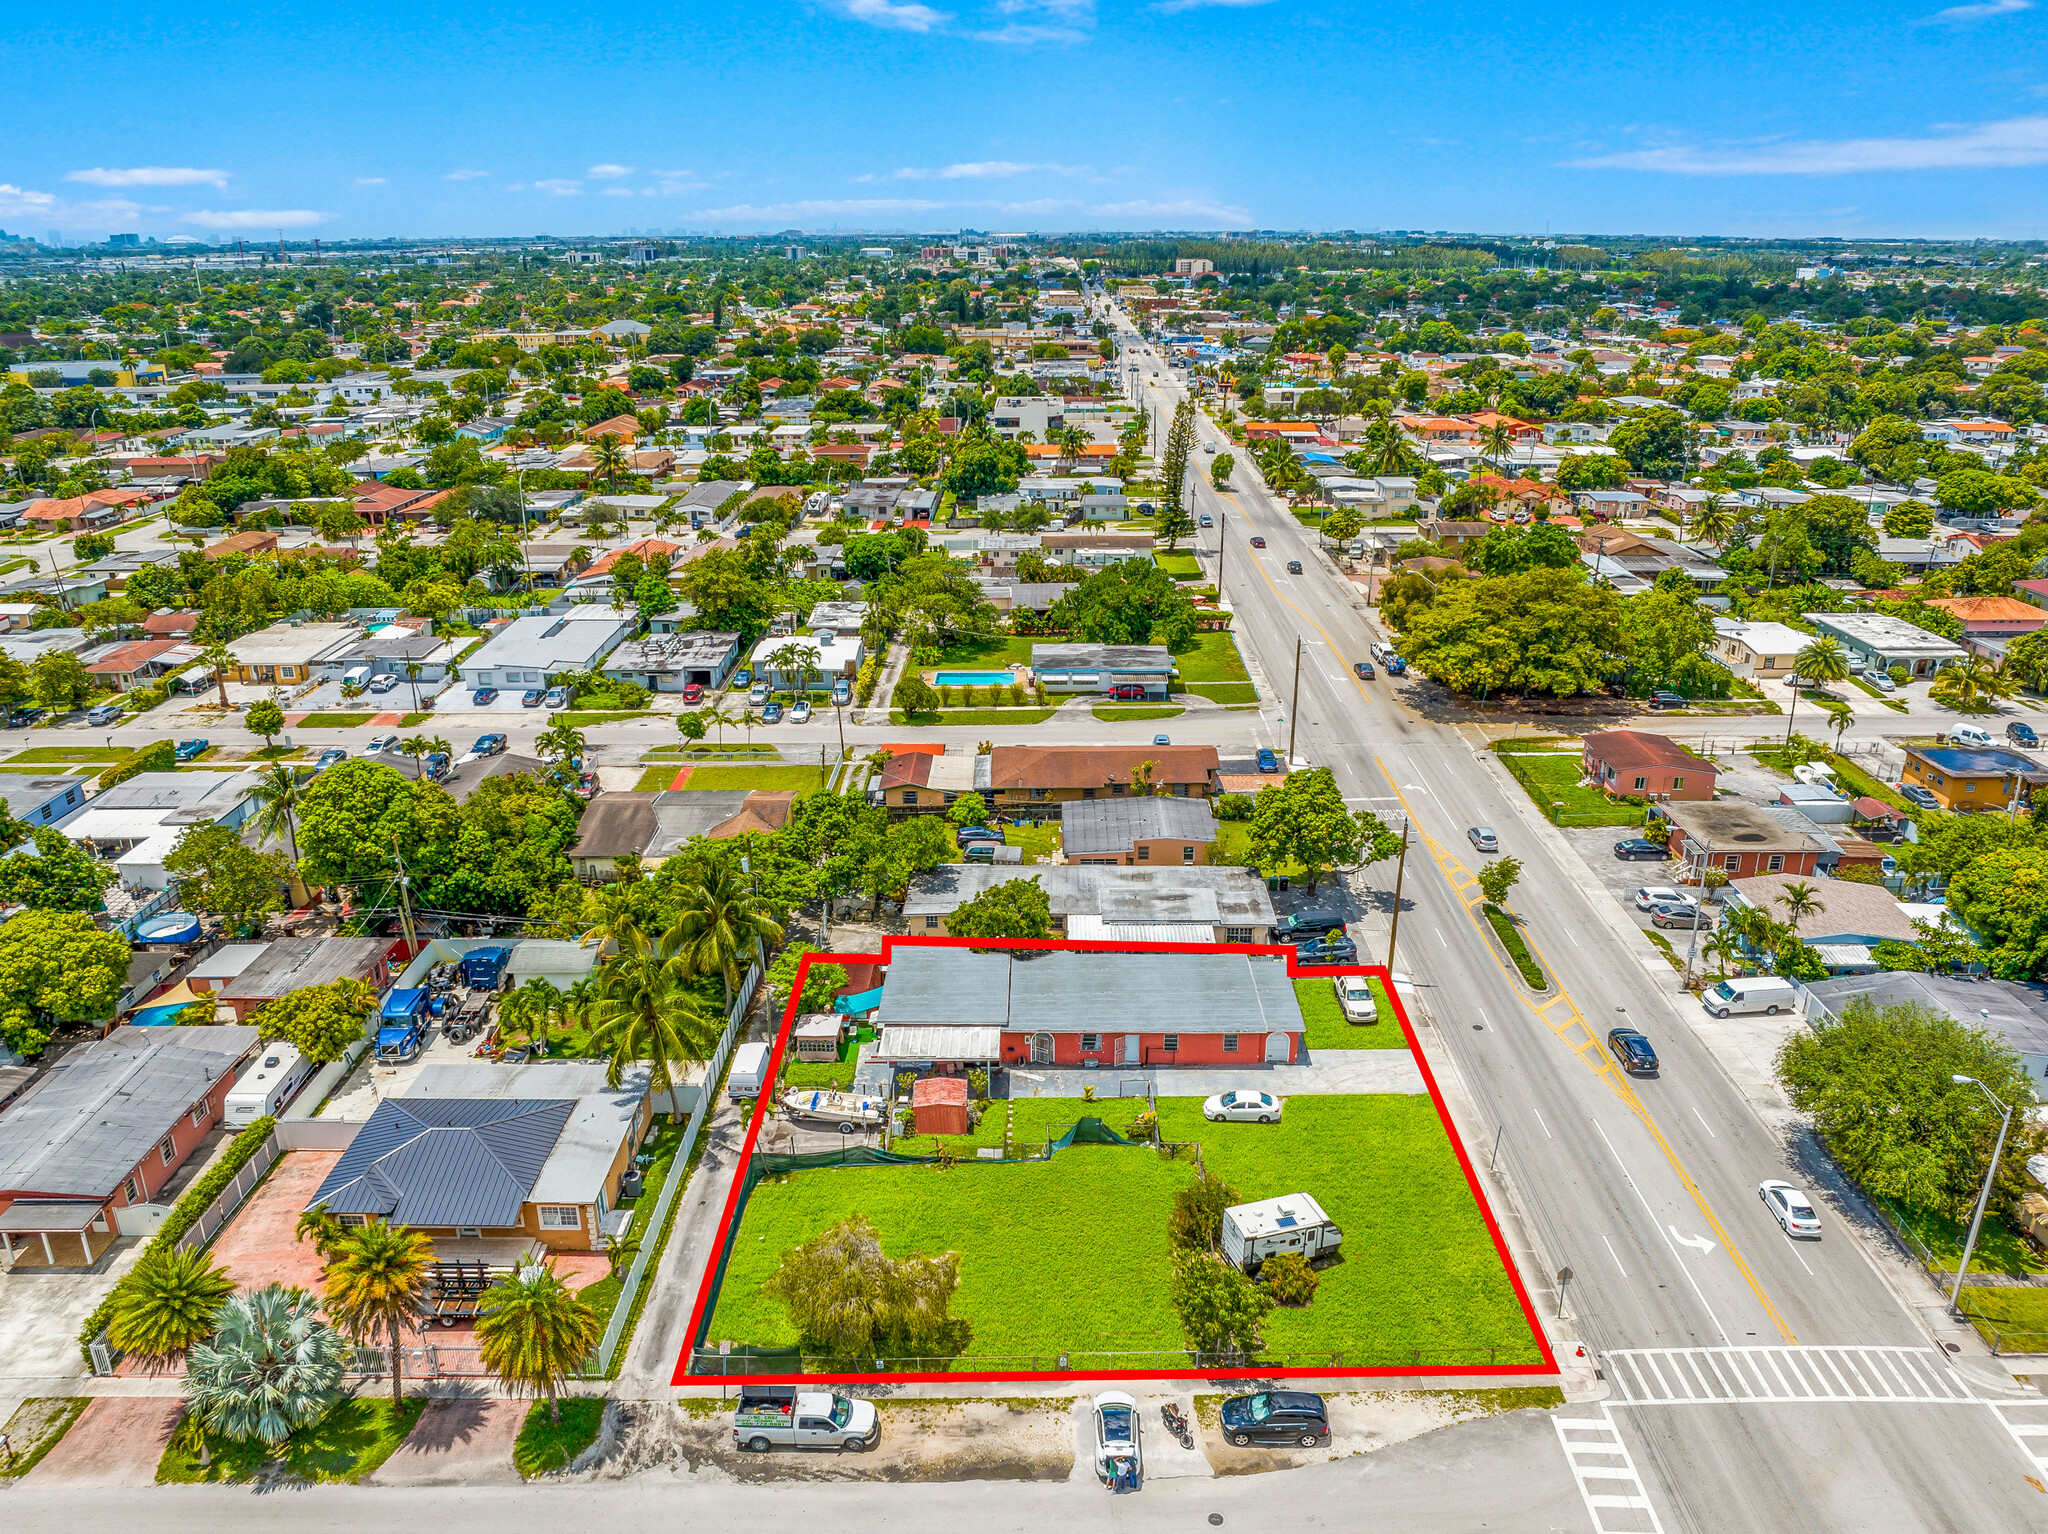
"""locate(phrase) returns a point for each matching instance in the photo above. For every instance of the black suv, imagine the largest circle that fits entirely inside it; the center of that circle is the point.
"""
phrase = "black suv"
(1277, 1416)
(1304, 926)
(1632, 1050)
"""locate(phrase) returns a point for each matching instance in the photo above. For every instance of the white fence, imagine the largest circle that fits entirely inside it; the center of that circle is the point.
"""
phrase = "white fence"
(239, 1187)
(678, 1172)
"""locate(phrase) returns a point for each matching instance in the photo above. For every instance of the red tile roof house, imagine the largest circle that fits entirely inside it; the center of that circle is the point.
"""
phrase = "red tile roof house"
(104, 1132)
(1651, 765)
(1992, 617)
(135, 660)
(952, 1007)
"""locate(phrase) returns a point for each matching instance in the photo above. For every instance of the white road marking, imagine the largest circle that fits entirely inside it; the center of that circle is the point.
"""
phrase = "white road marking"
(1543, 1126)
(1440, 936)
(1611, 1253)
(1696, 1289)
(1594, 1451)
(1709, 1128)
(1802, 1261)
(1701, 1243)
(1913, 1376)
(2027, 1423)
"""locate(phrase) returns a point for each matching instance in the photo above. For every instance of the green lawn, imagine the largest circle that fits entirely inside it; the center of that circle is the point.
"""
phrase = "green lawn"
(1420, 1271)
(73, 754)
(1329, 1028)
(990, 652)
(333, 721)
(826, 1073)
(580, 718)
(973, 716)
(1156, 711)
(545, 1444)
(1182, 567)
(1224, 692)
(1999, 1247)
(413, 721)
(347, 1444)
(2021, 1311)
(1550, 779)
(805, 780)
(35, 1429)
(659, 776)
(1212, 657)
(1234, 847)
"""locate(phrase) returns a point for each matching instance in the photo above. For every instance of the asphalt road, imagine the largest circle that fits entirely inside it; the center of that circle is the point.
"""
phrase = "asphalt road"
(1646, 1189)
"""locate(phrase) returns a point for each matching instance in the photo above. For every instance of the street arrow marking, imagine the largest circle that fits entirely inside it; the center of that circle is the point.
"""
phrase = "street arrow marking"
(1416, 787)
(1701, 1242)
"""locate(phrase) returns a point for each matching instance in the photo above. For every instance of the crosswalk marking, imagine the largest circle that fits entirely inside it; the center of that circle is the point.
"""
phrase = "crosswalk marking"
(2027, 1422)
(1707, 1376)
(1597, 1456)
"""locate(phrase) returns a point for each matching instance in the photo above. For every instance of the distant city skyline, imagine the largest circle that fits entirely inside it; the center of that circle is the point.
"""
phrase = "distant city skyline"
(1036, 116)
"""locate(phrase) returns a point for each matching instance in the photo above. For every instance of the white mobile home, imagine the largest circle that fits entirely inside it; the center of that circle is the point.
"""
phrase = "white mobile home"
(1293, 1222)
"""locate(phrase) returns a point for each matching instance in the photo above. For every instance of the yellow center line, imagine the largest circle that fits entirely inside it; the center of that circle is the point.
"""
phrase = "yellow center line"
(1591, 1049)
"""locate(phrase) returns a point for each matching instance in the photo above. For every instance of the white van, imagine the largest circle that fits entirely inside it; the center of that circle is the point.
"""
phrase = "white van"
(265, 1087)
(1757, 993)
(1970, 735)
(358, 676)
(749, 1065)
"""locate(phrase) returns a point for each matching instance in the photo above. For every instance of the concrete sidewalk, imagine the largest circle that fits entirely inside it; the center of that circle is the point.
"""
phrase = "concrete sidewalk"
(461, 1442)
(1328, 1072)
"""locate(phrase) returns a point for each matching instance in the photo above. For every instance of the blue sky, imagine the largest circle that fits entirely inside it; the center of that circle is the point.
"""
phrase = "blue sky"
(420, 120)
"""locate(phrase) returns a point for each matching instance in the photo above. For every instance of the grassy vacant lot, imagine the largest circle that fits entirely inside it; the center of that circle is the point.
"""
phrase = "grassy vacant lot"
(1329, 1028)
(581, 718)
(1551, 779)
(1999, 1247)
(659, 776)
(1182, 567)
(1212, 657)
(1155, 711)
(1234, 847)
(1420, 1271)
(991, 652)
(826, 1073)
(805, 780)
(2010, 1311)
(73, 754)
(347, 1444)
(334, 721)
(35, 1428)
(545, 1444)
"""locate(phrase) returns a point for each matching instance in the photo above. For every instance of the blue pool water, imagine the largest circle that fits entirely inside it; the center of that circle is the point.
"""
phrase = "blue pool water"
(973, 678)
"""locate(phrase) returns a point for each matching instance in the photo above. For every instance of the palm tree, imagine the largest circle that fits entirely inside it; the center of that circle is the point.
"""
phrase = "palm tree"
(167, 1304)
(439, 746)
(533, 1333)
(529, 1008)
(271, 1367)
(561, 741)
(718, 719)
(416, 747)
(412, 674)
(1962, 685)
(1822, 660)
(1713, 522)
(376, 1282)
(620, 1251)
(645, 1011)
(1799, 900)
(724, 922)
(278, 797)
(220, 659)
(350, 691)
(618, 917)
(321, 1228)
(607, 459)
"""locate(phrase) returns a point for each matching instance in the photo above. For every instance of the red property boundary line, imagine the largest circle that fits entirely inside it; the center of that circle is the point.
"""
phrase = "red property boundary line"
(707, 1286)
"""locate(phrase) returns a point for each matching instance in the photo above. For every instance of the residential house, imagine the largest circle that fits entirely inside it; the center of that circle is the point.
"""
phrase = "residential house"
(480, 1152)
(532, 651)
(298, 963)
(654, 826)
(40, 799)
(126, 663)
(1647, 765)
(1741, 839)
(825, 655)
(1137, 832)
(1071, 668)
(1757, 651)
(1094, 549)
(1875, 639)
(1848, 920)
(912, 782)
(2014, 1012)
(1965, 778)
(1452, 534)
(1034, 780)
(1992, 617)
(671, 662)
(948, 1006)
(247, 544)
(1164, 902)
(395, 649)
(87, 1149)
(287, 653)
(135, 824)
(181, 624)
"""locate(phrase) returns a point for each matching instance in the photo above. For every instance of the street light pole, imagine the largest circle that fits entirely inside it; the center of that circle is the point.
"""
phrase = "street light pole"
(1294, 706)
(1955, 1299)
(1400, 878)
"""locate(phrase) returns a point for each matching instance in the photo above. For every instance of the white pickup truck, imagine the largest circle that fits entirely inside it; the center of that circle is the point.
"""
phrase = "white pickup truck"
(773, 1417)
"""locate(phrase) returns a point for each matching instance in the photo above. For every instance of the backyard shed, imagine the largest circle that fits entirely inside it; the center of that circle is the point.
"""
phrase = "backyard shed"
(939, 1105)
(816, 1036)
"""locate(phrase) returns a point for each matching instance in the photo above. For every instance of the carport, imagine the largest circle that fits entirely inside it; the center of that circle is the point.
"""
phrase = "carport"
(70, 1220)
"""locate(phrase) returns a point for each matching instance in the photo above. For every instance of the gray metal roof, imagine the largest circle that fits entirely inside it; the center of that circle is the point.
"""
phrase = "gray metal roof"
(1215, 895)
(100, 1109)
(422, 1161)
(600, 1120)
(293, 963)
(1057, 991)
(1101, 657)
(2018, 1013)
(1094, 826)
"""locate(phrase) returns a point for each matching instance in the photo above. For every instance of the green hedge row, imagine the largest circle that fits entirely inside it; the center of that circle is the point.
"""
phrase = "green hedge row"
(158, 756)
(181, 1219)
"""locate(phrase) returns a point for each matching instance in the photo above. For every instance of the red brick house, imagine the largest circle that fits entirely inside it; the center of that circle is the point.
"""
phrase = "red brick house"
(1740, 839)
(104, 1131)
(1645, 763)
(953, 1007)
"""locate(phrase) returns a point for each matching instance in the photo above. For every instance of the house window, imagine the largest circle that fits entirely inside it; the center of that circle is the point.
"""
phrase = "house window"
(1230, 1043)
(1642, 782)
(1144, 852)
(560, 1217)
(1091, 1041)
(1732, 862)
(1116, 790)
(468, 1232)
(199, 1112)
(1677, 782)
(931, 923)
(1969, 788)
(1777, 863)
(910, 796)
(131, 1190)
(167, 1150)
(949, 798)
(1237, 934)
(354, 1221)
(1170, 1043)
(1087, 793)
(1187, 854)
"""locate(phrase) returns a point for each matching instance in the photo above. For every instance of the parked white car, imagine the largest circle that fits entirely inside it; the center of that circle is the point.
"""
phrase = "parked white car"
(801, 714)
(1790, 1207)
(1243, 1107)
(1356, 998)
(1655, 895)
(1119, 1462)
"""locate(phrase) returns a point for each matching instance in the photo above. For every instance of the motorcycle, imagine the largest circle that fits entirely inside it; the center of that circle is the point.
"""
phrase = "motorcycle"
(1177, 1424)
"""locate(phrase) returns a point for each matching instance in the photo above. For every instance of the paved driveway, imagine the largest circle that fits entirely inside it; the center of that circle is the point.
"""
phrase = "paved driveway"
(259, 1245)
(1328, 1072)
(116, 1441)
(457, 1443)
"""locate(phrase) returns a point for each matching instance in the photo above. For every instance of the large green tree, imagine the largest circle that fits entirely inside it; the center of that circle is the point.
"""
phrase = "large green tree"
(849, 1300)
(59, 875)
(2003, 897)
(219, 874)
(320, 1021)
(1131, 602)
(1301, 821)
(1542, 631)
(56, 966)
(1015, 908)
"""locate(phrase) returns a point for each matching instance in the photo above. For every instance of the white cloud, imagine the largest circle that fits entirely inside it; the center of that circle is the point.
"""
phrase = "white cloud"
(151, 175)
(1175, 7)
(974, 171)
(1983, 146)
(255, 218)
(465, 175)
(672, 183)
(28, 204)
(559, 187)
(1192, 213)
(610, 172)
(20, 202)
(1983, 10)
(892, 15)
(369, 181)
(1042, 21)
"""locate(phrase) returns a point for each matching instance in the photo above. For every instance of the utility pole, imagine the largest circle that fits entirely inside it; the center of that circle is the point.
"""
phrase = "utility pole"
(404, 900)
(1400, 878)
(1294, 708)
(1699, 910)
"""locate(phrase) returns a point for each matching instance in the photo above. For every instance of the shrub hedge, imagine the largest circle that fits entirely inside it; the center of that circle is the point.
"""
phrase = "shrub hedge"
(157, 756)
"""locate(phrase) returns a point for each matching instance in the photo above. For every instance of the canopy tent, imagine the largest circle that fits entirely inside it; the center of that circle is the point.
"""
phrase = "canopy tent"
(164, 1009)
(859, 1001)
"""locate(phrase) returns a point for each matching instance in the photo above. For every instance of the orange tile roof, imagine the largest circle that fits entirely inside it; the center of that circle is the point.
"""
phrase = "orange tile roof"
(1989, 608)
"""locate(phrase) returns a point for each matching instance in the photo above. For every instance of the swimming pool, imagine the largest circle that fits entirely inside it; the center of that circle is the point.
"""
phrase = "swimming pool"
(972, 678)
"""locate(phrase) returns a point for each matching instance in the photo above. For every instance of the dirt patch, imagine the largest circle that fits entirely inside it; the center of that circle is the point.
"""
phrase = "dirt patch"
(35, 1428)
(260, 1244)
(921, 1441)
(1360, 1423)
(116, 1442)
